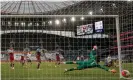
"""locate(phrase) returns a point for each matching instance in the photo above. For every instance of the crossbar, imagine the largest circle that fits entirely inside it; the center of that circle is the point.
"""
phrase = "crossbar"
(93, 16)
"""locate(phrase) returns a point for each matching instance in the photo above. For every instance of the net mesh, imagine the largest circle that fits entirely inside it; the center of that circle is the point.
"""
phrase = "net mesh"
(71, 37)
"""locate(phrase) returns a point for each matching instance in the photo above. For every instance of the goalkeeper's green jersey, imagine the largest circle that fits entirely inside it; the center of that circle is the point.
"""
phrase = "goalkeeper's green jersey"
(92, 55)
(88, 64)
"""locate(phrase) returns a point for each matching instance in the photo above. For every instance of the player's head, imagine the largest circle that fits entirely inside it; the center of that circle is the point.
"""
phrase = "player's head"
(11, 48)
(95, 47)
(38, 49)
(57, 53)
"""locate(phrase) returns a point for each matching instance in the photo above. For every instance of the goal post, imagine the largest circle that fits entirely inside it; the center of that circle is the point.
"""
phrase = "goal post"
(118, 44)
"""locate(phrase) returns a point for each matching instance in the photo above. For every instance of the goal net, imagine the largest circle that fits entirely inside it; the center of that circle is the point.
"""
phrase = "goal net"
(71, 36)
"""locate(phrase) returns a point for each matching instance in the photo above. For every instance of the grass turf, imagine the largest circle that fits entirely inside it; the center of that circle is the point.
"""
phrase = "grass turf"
(50, 72)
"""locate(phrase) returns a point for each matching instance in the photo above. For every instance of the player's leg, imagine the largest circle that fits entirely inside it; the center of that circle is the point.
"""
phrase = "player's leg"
(58, 63)
(10, 62)
(38, 65)
(22, 62)
(102, 67)
(105, 68)
(25, 62)
(30, 61)
(13, 65)
(93, 63)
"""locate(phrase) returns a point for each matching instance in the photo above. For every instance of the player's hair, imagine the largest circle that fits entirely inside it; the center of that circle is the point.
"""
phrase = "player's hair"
(95, 47)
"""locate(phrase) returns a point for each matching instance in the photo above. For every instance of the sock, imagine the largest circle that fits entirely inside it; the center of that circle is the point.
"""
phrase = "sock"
(22, 64)
(38, 66)
(13, 65)
(58, 63)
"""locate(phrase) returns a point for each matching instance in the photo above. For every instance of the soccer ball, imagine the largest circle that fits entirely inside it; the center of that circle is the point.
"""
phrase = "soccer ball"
(125, 73)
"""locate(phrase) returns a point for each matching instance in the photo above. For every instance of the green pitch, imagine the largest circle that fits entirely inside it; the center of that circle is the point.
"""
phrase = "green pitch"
(50, 72)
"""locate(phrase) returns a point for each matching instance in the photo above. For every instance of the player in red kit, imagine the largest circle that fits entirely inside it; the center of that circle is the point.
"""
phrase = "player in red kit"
(57, 58)
(38, 57)
(22, 60)
(11, 57)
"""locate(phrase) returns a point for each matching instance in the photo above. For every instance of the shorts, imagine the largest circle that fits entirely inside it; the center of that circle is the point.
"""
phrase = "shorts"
(38, 59)
(57, 59)
(22, 61)
(28, 60)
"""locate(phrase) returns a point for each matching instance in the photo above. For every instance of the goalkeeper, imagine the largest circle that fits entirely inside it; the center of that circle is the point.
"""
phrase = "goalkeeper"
(88, 64)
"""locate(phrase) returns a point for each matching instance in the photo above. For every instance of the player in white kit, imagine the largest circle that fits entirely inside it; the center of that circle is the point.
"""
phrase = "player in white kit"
(29, 57)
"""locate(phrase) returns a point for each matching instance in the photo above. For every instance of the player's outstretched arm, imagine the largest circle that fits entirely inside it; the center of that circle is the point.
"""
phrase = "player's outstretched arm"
(69, 62)
(67, 70)
(80, 67)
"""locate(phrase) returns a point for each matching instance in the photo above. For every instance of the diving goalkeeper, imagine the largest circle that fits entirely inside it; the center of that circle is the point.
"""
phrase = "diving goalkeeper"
(88, 64)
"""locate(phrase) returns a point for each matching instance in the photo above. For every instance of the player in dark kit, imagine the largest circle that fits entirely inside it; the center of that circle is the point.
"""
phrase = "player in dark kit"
(11, 57)
(38, 57)
(22, 60)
